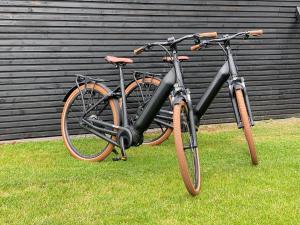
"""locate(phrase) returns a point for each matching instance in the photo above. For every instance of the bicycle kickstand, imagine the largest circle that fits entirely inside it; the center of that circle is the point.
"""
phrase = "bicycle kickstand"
(123, 153)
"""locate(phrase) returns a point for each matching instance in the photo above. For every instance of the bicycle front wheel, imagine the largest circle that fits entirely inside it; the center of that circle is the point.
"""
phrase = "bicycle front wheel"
(187, 154)
(246, 125)
(79, 137)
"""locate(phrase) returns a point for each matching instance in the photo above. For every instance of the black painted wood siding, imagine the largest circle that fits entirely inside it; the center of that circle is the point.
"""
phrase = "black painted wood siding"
(44, 43)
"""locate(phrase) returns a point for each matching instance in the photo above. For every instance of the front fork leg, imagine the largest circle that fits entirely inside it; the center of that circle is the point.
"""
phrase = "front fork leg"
(236, 84)
(191, 118)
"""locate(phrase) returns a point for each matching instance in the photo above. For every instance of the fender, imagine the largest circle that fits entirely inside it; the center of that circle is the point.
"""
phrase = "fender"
(80, 84)
(177, 99)
(104, 87)
(133, 81)
(69, 92)
(236, 85)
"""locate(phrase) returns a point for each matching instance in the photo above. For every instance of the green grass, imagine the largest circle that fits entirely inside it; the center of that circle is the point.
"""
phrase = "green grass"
(40, 183)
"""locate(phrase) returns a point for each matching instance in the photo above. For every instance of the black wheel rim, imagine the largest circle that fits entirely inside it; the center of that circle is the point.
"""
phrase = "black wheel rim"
(84, 143)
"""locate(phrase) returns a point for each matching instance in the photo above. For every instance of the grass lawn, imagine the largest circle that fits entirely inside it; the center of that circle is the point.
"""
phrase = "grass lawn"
(40, 183)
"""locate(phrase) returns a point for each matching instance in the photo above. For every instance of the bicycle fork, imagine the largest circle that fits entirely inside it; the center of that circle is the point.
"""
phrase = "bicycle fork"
(191, 118)
(239, 84)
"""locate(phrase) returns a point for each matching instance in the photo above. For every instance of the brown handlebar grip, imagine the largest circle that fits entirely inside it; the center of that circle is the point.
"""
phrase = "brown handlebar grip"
(138, 50)
(209, 34)
(195, 47)
(256, 32)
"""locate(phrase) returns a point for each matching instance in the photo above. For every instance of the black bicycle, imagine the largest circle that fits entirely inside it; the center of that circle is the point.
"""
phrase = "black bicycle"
(237, 90)
(94, 118)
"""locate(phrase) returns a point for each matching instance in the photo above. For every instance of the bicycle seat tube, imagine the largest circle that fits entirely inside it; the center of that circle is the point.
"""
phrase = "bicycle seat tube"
(122, 87)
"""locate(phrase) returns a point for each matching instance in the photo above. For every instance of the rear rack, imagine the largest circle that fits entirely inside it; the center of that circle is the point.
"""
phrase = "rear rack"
(141, 74)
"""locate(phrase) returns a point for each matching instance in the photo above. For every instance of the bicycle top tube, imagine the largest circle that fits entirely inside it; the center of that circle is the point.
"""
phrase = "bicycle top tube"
(225, 38)
(172, 42)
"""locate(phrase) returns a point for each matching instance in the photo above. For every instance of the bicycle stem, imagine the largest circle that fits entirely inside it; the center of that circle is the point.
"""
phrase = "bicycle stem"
(232, 67)
(176, 66)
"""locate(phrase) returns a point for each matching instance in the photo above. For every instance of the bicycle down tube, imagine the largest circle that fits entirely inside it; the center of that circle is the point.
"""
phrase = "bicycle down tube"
(227, 73)
(155, 104)
(160, 96)
(211, 92)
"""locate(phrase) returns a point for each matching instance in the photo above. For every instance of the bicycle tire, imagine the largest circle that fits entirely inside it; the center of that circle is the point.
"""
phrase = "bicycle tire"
(190, 175)
(246, 125)
(70, 129)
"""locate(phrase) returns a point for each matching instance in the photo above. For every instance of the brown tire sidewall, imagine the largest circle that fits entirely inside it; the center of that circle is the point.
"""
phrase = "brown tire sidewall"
(246, 125)
(180, 151)
(113, 105)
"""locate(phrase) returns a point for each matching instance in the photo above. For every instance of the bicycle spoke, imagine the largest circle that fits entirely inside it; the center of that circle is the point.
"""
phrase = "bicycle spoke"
(85, 143)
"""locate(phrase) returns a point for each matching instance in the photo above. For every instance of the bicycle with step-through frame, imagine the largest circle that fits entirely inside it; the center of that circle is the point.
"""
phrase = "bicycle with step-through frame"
(227, 73)
(94, 118)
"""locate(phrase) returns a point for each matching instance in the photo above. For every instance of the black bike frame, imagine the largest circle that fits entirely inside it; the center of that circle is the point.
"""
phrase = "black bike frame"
(173, 79)
(156, 102)
(227, 73)
(135, 132)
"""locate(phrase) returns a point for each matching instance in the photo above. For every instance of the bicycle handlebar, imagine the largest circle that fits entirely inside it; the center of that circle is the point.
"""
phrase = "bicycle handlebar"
(254, 33)
(209, 35)
(173, 41)
(138, 50)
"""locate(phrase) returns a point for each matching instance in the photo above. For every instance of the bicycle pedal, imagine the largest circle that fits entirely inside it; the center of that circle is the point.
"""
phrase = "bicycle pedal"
(119, 158)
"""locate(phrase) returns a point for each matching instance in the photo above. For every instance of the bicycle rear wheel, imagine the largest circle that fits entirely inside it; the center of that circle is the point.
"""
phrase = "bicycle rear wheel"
(138, 93)
(80, 141)
(187, 155)
(246, 125)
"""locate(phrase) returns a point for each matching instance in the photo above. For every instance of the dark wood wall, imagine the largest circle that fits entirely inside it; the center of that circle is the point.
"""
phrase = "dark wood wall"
(44, 43)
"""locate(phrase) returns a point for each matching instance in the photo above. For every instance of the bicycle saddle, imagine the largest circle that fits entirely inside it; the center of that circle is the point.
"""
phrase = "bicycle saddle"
(116, 60)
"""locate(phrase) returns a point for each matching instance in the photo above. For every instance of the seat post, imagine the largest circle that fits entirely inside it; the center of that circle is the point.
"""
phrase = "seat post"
(122, 87)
